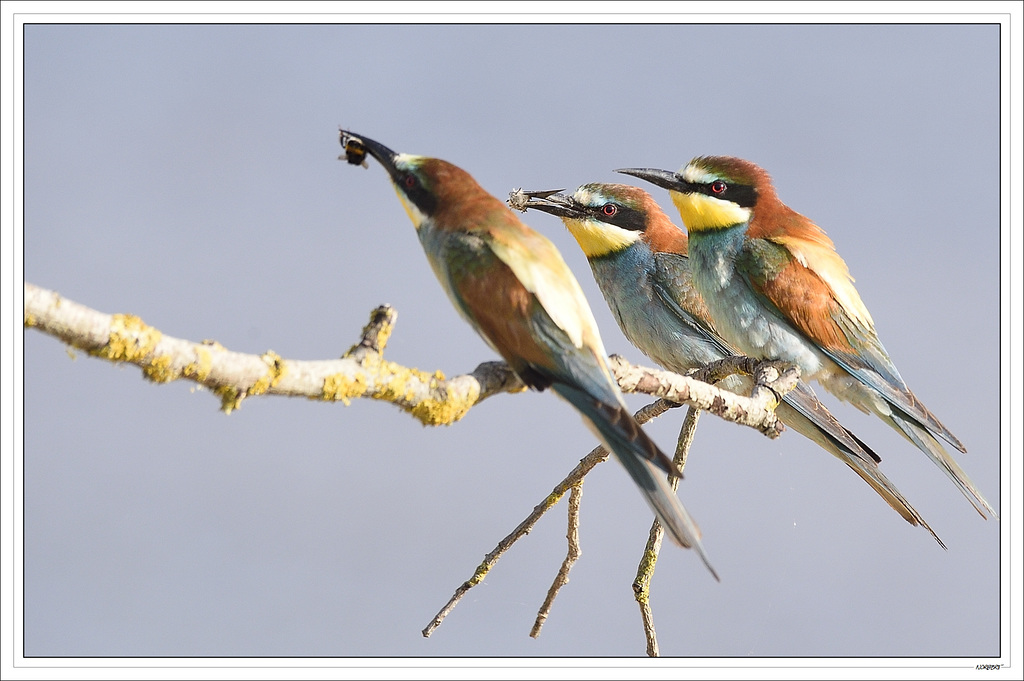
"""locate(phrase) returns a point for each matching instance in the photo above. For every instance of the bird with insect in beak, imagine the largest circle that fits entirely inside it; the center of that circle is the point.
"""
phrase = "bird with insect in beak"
(640, 261)
(776, 288)
(512, 286)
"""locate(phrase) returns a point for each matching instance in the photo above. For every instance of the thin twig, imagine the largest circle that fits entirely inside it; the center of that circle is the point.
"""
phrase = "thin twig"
(686, 434)
(575, 477)
(645, 570)
(642, 584)
(572, 555)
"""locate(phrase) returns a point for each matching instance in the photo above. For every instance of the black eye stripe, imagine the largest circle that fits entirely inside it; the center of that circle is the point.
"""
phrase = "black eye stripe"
(624, 218)
(741, 194)
(411, 186)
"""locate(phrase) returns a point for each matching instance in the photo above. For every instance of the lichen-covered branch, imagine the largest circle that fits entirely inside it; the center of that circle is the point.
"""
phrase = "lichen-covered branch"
(435, 400)
(233, 376)
(364, 373)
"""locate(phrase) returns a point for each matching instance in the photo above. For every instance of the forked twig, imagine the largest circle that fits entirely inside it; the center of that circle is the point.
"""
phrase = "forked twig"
(575, 477)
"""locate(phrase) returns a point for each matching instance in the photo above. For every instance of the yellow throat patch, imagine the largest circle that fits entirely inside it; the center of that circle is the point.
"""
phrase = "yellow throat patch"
(597, 239)
(701, 212)
(411, 210)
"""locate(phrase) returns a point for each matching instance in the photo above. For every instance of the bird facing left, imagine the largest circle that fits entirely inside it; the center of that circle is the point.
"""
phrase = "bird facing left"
(513, 287)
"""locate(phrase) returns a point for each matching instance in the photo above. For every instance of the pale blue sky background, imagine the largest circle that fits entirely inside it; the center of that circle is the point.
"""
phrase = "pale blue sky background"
(188, 174)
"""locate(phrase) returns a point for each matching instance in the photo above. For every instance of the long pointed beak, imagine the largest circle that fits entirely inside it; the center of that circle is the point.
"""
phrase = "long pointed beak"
(662, 178)
(356, 147)
(547, 200)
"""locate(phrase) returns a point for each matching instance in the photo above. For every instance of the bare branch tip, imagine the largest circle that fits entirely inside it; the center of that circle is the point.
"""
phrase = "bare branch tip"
(377, 331)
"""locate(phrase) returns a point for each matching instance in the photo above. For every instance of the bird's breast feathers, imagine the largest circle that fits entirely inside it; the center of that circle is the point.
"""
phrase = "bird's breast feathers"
(731, 277)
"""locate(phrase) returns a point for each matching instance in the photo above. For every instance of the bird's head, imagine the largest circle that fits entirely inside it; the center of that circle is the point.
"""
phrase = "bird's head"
(426, 186)
(713, 192)
(604, 218)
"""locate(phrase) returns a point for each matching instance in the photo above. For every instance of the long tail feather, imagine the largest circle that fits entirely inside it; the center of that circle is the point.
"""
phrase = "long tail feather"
(642, 459)
(805, 414)
(820, 423)
(927, 443)
(866, 468)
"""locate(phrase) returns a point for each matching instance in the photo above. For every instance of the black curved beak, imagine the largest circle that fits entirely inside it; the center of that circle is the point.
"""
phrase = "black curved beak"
(548, 200)
(662, 178)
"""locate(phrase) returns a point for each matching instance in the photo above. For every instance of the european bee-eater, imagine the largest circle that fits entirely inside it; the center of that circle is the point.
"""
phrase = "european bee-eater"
(641, 264)
(776, 288)
(512, 286)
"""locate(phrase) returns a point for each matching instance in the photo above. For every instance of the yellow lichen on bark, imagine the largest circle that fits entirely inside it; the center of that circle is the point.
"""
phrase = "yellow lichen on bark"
(444, 412)
(131, 339)
(230, 398)
(342, 387)
(278, 369)
(382, 336)
(159, 370)
(200, 369)
(403, 387)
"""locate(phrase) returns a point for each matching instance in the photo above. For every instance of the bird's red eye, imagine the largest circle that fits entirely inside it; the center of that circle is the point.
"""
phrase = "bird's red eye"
(718, 187)
(609, 209)
(409, 181)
